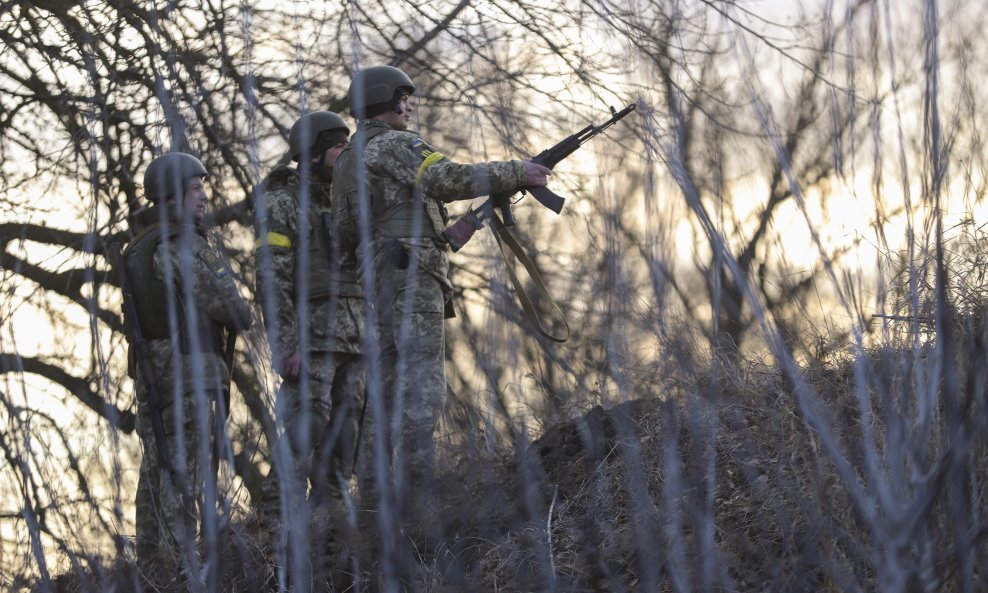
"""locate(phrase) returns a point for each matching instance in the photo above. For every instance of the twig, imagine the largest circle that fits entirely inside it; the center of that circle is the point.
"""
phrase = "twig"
(548, 532)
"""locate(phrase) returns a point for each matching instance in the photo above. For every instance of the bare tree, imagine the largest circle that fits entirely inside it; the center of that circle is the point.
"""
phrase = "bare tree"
(741, 119)
(92, 93)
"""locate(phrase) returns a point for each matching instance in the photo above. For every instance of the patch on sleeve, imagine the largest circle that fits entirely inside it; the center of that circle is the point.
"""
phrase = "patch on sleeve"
(421, 148)
(214, 262)
(428, 154)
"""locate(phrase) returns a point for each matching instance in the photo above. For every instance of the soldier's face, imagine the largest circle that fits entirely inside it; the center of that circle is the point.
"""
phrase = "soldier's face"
(400, 120)
(333, 153)
(194, 200)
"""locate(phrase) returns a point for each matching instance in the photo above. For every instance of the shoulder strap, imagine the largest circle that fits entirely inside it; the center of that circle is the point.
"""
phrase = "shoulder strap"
(374, 131)
(152, 230)
(504, 237)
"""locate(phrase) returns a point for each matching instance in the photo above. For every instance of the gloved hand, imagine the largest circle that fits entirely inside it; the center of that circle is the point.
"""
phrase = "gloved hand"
(461, 231)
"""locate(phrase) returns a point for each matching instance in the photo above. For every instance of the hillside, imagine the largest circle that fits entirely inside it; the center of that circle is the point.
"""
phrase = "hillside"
(700, 493)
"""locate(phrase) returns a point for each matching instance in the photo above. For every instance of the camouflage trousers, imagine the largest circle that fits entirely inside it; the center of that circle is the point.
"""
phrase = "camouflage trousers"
(169, 499)
(322, 415)
(399, 462)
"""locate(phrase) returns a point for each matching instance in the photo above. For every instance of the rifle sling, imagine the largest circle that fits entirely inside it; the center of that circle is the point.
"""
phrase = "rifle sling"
(504, 237)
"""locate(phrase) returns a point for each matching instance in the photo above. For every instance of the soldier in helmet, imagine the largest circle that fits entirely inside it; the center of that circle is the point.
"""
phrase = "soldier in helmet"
(400, 185)
(312, 306)
(186, 303)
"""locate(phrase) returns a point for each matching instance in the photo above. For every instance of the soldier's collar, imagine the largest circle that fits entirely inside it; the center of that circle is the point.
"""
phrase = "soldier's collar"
(146, 217)
(376, 123)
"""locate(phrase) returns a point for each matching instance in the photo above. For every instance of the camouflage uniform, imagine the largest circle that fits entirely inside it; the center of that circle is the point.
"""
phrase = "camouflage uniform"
(189, 375)
(329, 408)
(408, 181)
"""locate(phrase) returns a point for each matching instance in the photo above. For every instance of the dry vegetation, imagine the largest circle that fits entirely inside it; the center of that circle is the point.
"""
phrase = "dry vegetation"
(673, 444)
(726, 486)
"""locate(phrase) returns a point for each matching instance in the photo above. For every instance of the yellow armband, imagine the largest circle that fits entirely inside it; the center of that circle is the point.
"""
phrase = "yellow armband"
(274, 240)
(431, 159)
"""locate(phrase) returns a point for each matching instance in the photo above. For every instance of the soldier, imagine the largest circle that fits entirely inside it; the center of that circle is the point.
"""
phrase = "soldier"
(406, 183)
(185, 300)
(312, 306)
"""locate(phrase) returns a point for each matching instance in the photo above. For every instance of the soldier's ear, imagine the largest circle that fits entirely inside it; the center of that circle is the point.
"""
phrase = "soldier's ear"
(173, 202)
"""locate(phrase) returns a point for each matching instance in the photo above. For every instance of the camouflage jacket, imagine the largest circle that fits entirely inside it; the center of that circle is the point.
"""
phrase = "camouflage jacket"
(332, 294)
(206, 297)
(409, 182)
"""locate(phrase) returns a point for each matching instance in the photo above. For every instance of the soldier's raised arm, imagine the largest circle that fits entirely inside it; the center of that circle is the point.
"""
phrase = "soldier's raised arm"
(412, 161)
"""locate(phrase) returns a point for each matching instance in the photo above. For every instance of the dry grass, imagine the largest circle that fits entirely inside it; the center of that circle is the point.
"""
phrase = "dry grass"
(730, 488)
(738, 491)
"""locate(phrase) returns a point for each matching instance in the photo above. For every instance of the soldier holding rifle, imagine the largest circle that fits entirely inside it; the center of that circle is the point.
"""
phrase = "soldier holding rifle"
(406, 183)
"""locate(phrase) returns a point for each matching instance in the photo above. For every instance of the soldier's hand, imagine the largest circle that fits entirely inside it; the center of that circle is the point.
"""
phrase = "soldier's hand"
(537, 174)
(290, 366)
(463, 229)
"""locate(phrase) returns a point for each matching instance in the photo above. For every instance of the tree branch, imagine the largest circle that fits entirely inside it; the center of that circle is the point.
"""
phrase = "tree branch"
(80, 387)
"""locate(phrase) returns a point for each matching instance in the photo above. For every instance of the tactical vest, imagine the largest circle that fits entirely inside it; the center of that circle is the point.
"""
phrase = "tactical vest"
(151, 295)
(323, 279)
(397, 220)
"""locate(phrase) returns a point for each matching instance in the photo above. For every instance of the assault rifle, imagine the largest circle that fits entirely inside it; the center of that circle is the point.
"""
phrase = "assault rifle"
(462, 230)
(550, 157)
(460, 233)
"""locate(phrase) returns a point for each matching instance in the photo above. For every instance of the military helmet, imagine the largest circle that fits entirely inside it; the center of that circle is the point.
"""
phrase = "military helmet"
(307, 130)
(167, 174)
(375, 90)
